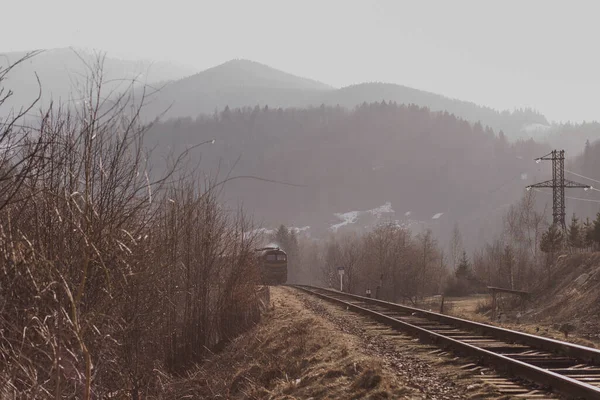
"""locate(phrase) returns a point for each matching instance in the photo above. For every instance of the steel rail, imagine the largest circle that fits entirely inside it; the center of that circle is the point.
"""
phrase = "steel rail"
(551, 379)
(587, 354)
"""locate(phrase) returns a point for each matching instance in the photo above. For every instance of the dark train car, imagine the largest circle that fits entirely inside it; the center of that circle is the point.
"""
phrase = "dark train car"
(273, 266)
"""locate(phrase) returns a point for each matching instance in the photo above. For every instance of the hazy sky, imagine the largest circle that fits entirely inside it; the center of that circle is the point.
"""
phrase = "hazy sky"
(504, 54)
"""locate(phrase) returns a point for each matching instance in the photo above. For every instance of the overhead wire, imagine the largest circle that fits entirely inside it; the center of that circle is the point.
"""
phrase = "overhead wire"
(569, 197)
(585, 177)
(582, 176)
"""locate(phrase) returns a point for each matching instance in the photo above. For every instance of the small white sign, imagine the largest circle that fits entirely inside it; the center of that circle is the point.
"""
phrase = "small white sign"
(341, 272)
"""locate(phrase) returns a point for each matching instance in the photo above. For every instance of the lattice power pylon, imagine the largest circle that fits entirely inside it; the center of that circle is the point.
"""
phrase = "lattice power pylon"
(558, 185)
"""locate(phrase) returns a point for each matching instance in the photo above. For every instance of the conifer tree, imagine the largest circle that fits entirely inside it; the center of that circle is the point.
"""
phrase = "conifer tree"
(588, 232)
(586, 157)
(509, 264)
(595, 233)
(456, 246)
(463, 269)
(552, 240)
(575, 234)
(281, 237)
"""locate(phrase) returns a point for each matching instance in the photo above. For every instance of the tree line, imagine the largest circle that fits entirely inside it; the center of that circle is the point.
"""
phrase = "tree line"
(390, 261)
(398, 264)
(579, 236)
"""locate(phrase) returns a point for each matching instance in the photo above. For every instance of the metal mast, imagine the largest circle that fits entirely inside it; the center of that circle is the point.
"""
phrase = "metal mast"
(558, 185)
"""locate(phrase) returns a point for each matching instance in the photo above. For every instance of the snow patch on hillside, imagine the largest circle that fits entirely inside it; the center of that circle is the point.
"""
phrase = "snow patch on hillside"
(352, 217)
(535, 128)
(259, 232)
(298, 230)
(266, 232)
(386, 208)
(347, 218)
(410, 224)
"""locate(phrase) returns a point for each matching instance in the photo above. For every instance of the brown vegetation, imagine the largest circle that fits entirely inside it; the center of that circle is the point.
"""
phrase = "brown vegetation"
(390, 261)
(569, 301)
(110, 274)
(398, 265)
(292, 354)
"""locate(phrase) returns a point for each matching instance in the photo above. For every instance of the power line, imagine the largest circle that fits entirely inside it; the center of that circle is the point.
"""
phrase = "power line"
(569, 197)
(582, 176)
(585, 177)
(578, 198)
(558, 185)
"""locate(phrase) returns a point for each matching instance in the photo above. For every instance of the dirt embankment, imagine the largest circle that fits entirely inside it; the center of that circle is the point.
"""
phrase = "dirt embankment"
(298, 353)
(569, 297)
(565, 301)
(292, 354)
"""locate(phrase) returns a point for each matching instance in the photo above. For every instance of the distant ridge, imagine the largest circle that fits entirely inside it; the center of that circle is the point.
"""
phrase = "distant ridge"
(247, 73)
(512, 123)
(61, 69)
(242, 83)
(238, 83)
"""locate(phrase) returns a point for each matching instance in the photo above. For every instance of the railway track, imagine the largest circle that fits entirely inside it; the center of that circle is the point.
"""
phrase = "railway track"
(556, 366)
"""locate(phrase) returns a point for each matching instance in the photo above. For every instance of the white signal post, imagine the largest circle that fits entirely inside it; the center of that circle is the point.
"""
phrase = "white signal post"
(341, 272)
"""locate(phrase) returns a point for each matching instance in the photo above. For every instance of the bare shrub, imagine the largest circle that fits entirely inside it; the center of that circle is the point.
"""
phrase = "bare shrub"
(483, 306)
(390, 261)
(110, 272)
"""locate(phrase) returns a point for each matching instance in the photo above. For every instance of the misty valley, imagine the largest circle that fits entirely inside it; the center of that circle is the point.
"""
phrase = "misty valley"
(240, 231)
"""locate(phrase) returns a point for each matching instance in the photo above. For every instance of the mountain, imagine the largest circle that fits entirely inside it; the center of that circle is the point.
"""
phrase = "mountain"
(233, 84)
(236, 83)
(62, 73)
(241, 73)
(243, 83)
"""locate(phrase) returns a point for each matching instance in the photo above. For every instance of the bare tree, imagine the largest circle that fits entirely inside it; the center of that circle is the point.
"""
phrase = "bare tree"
(351, 254)
(20, 146)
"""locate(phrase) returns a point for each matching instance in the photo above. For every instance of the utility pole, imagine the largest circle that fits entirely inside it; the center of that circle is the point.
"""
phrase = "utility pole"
(558, 185)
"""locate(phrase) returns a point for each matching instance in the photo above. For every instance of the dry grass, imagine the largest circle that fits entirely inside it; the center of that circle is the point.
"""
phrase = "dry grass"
(469, 307)
(478, 308)
(110, 273)
(292, 354)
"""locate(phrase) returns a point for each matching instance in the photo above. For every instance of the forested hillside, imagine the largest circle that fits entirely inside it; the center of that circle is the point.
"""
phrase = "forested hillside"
(236, 83)
(512, 123)
(423, 163)
(572, 137)
(585, 168)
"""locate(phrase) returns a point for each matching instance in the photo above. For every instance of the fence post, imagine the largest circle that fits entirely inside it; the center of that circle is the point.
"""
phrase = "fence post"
(493, 305)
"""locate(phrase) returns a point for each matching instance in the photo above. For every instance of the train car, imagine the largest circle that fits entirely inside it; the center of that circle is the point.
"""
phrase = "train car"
(273, 265)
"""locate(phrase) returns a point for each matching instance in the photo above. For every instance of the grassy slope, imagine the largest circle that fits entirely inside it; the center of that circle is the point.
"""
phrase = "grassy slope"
(569, 294)
(293, 354)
